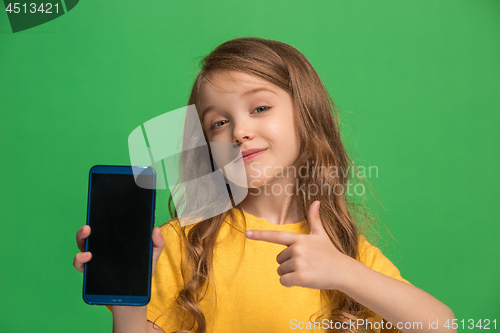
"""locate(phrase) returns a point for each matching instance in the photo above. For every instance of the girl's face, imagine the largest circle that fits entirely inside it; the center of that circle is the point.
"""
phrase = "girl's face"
(254, 114)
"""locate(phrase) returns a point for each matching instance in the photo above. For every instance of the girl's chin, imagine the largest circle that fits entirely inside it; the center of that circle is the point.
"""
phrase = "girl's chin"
(251, 184)
(257, 183)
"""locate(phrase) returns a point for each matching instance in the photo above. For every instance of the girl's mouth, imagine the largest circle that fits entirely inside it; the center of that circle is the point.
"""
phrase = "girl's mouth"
(250, 156)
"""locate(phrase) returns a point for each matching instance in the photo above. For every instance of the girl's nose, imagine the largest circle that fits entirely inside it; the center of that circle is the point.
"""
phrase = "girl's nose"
(242, 132)
(246, 137)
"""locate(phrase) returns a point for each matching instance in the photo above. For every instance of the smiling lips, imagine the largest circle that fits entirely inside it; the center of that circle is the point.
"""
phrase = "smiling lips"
(251, 153)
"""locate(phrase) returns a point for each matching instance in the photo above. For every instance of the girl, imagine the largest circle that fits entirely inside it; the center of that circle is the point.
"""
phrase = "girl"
(290, 255)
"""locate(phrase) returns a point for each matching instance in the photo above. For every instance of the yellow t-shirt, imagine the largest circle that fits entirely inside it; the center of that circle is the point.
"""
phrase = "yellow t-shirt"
(249, 296)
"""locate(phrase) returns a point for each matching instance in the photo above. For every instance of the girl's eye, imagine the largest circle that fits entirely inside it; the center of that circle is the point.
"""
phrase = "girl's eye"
(262, 109)
(263, 106)
(215, 125)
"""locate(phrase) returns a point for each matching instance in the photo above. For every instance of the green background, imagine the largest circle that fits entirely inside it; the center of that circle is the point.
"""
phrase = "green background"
(417, 83)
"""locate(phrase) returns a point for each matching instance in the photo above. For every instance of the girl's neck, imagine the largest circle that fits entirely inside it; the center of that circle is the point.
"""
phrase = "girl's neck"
(276, 209)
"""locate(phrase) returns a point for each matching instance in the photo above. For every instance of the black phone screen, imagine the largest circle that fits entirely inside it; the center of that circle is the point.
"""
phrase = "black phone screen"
(120, 218)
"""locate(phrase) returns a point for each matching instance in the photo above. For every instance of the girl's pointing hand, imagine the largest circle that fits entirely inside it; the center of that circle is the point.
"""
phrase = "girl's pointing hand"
(310, 261)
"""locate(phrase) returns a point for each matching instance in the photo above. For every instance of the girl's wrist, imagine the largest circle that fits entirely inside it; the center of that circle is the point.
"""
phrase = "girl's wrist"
(129, 319)
(129, 310)
(350, 268)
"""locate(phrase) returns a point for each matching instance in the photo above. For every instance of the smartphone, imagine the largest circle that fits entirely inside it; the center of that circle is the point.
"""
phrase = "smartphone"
(120, 213)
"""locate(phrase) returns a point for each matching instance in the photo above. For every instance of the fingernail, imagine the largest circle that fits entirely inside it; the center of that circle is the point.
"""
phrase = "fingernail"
(249, 233)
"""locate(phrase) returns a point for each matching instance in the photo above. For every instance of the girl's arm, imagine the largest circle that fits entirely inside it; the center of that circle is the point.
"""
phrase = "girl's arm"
(312, 261)
(395, 301)
(130, 319)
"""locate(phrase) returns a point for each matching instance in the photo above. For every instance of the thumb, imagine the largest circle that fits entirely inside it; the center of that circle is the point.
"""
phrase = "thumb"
(158, 244)
(315, 224)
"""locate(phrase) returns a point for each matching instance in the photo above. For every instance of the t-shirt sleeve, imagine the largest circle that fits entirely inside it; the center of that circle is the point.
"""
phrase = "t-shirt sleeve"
(372, 257)
(167, 280)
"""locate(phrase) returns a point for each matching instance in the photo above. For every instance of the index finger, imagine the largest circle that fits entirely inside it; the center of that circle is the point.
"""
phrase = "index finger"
(273, 236)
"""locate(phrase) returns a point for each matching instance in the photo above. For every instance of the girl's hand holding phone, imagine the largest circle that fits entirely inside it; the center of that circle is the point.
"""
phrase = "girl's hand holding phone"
(84, 257)
(310, 261)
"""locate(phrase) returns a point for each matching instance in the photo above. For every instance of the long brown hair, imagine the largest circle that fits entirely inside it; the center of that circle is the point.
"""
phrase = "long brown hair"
(317, 126)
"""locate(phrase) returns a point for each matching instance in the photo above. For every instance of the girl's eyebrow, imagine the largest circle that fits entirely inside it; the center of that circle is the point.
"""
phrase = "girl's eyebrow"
(256, 90)
(245, 94)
